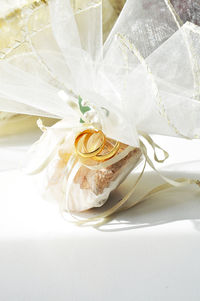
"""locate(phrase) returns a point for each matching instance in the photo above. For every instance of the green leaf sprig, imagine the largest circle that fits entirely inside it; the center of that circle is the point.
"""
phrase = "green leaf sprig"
(82, 108)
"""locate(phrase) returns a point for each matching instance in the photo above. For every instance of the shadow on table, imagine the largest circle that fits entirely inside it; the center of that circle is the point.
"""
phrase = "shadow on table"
(171, 205)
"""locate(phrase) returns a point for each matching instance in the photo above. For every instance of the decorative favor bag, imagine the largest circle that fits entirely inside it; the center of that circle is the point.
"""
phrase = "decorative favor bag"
(145, 79)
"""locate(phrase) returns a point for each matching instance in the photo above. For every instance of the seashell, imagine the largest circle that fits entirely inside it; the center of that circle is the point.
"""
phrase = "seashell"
(92, 187)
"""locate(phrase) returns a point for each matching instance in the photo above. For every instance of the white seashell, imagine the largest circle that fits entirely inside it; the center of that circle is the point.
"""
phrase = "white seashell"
(90, 187)
(100, 183)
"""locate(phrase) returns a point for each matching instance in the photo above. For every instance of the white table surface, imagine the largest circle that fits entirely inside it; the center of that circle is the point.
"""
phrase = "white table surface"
(150, 253)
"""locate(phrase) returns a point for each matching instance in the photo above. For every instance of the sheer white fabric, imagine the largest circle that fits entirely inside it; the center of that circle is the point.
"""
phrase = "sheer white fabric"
(138, 75)
(144, 78)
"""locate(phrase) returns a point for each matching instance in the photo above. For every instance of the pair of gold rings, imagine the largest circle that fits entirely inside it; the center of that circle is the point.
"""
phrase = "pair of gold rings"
(82, 148)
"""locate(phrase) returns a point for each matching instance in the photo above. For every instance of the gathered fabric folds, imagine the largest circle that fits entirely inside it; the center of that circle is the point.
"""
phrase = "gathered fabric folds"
(144, 78)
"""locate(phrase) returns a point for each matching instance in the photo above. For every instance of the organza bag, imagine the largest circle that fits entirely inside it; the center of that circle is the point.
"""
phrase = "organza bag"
(143, 80)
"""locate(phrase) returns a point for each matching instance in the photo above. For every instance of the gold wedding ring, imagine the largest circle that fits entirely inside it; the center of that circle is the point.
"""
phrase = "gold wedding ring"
(88, 134)
(109, 154)
(96, 153)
